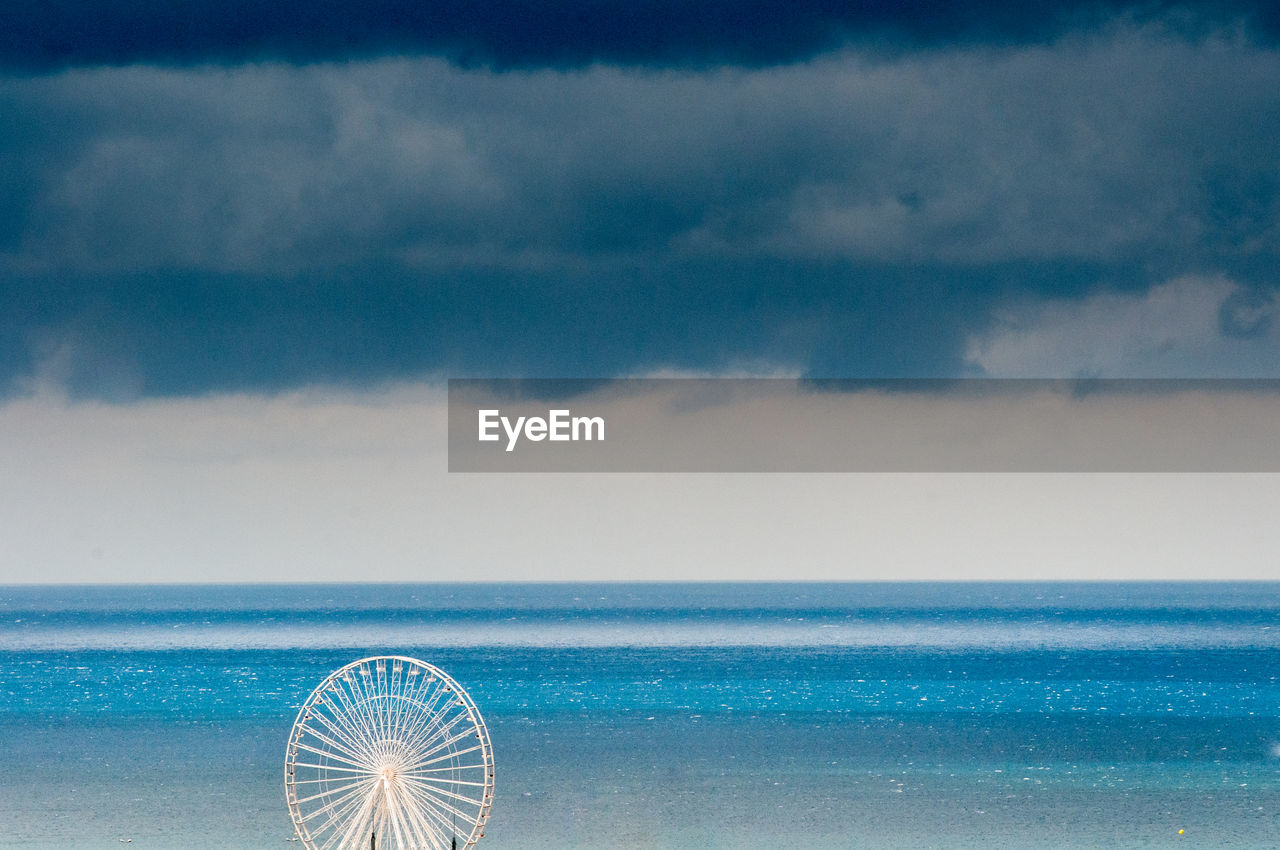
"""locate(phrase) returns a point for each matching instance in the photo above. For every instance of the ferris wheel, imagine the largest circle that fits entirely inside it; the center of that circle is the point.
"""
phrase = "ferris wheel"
(389, 753)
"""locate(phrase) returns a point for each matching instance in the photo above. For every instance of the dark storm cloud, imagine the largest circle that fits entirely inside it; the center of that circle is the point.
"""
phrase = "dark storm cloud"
(528, 33)
(170, 334)
(1131, 147)
(189, 229)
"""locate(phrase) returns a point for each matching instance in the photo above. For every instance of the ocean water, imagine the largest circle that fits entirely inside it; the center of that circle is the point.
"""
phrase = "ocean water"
(671, 716)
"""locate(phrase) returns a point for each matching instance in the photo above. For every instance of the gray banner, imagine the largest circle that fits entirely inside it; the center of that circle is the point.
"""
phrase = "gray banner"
(787, 425)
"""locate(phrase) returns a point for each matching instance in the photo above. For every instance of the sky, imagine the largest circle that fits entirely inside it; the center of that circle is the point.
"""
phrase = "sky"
(242, 245)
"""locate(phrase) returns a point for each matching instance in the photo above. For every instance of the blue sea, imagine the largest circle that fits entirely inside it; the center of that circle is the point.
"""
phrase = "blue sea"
(671, 715)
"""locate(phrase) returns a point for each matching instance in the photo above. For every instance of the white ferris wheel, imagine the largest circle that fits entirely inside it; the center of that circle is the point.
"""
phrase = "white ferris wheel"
(389, 753)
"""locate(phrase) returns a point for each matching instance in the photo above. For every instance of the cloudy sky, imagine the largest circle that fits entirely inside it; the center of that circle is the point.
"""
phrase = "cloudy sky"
(242, 244)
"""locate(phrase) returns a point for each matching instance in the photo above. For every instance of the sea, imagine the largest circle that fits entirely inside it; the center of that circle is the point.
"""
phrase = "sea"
(849, 715)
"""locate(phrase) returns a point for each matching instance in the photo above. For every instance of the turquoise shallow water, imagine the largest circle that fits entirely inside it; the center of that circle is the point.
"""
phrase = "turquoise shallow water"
(665, 716)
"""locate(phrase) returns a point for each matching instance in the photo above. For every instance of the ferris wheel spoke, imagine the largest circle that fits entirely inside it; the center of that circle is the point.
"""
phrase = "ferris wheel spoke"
(395, 682)
(418, 739)
(414, 687)
(337, 804)
(441, 781)
(399, 687)
(480, 765)
(322, 780)
(419, 720)
(444, 792)
(467, 775)
(422, 834)
(321, 726)
(433, 835)
(430, 747)
(355, 755)
(359, 770)
(381, 818)
(427, 685)
(437, 810)
(351, 746)
(329, 792)
(364, 701)
(429, 835)
(335, 816)
(350, 712)
(361, 712)
(317, 745)
(336, 717)
(377, 823)
(342, 716)
(336, 811)
(424, 739)
(368, 691)
(425, 711)
(377, 687)
(423, 759)
(392, 807)
(438, 798)
(328, 754)
(385, 697)
(435, 698)
(446, 823)
(363, 816)
(451, 755)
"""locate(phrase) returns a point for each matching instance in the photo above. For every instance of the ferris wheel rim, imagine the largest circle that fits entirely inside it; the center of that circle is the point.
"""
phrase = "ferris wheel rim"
(384, 777)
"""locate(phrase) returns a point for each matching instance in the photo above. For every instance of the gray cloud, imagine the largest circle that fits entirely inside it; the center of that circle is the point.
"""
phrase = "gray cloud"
(1123, 145)
(1190, 326)
(859, 213)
